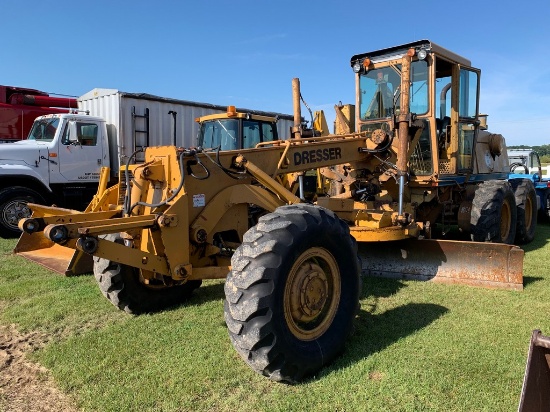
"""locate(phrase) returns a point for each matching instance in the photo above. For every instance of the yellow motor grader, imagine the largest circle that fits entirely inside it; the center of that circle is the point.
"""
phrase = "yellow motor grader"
(236, 207)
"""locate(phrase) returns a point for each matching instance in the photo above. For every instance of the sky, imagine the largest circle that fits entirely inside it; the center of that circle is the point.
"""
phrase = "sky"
(245, 53)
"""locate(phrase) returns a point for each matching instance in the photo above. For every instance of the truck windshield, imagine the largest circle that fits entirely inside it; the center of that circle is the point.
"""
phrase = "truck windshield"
(221, 133)
(44, 129)
(380, 88)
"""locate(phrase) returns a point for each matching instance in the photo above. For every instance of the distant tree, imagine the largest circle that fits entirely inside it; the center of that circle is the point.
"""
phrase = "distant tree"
(542, 150)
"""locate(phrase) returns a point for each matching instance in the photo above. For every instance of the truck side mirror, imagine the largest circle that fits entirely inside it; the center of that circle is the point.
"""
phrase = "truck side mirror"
(72, 136)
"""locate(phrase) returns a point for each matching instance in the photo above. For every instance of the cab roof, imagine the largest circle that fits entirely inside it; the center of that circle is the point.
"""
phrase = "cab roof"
(397, 51)
(236, 115)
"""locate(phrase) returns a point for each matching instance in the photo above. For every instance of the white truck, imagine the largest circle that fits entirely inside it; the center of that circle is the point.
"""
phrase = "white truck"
(60, 161)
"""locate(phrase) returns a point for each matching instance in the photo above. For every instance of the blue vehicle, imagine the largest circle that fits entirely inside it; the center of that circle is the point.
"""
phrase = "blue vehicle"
(525, 164)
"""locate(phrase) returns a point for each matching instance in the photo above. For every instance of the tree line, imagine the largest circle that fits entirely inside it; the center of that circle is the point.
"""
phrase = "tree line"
(543, 150)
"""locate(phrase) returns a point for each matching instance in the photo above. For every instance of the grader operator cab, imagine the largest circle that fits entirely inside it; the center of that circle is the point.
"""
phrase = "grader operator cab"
(233, 130)
(291, 267)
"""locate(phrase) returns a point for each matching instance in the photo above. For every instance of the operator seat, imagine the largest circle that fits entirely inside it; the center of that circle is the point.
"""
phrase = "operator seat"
(442, 125)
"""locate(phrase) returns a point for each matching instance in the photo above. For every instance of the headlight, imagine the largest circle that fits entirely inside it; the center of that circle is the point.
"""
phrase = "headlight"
(422, 53)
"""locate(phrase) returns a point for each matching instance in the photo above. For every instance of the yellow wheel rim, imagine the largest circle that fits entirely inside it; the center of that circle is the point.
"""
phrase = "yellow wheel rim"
(312, 294)
(505, 220)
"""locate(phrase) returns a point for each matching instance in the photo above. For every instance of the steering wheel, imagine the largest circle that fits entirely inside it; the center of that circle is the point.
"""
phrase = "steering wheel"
(514, 166)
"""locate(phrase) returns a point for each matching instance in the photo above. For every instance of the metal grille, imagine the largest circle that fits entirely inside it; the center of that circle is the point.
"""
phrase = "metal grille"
(445, 167)
(420, 161)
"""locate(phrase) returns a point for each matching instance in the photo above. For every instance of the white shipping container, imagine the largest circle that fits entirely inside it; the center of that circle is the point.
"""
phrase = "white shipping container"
(137, 120)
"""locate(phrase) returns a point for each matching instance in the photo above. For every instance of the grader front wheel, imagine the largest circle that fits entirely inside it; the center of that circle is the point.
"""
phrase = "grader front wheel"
(293, 292)
(312, 293)
(122, 286)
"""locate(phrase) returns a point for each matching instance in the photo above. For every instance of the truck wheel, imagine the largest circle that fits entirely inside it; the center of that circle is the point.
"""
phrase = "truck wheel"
(293, 292)
(13, 207)
(122, 286)
(494, 214)
(526, 204)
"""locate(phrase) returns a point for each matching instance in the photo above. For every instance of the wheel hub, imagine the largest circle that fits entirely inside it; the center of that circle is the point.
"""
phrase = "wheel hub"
(312, 294)
(313, 291)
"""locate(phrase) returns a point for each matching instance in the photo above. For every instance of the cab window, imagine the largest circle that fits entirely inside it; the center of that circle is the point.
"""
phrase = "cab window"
(380, 91)
(81, 133)
(44, 129)
(468, 94)
(220, 133)
(255, 132)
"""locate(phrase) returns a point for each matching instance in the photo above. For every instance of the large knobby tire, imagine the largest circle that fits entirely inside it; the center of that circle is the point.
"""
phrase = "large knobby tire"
(13, 207)
(293, 292)
(122, 286)
(526, 203)
(494, 214)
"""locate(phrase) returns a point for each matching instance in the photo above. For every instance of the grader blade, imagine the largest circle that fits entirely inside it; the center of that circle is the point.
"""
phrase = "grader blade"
(472, 263)
(535, 393)
(60, 259)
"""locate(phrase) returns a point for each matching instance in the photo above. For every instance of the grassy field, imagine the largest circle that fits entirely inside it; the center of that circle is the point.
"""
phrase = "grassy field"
(417, 346)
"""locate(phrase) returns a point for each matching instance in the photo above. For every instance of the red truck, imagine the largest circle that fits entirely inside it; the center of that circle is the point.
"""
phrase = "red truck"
(20, 106)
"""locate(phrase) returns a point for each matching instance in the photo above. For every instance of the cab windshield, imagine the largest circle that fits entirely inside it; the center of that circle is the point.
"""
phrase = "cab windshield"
(380, 91)
(221, 133)
(44, 129)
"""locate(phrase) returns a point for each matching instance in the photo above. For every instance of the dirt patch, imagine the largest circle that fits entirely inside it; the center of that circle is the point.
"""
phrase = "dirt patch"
(25, 385)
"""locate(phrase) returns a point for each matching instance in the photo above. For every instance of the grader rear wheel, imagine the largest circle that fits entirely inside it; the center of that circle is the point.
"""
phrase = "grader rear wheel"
(293, 292)
(494, 215)
(122, 286)
(526, 202)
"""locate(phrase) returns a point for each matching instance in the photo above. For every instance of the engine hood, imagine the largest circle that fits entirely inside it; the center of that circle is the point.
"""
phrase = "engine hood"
(24, 152)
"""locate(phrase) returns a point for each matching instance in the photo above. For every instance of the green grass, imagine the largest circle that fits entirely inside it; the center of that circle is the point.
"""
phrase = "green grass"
(416, 346)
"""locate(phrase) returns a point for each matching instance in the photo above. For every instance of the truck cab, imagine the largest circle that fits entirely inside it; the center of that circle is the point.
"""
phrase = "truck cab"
(522, 161)
(233, 130)
(58, 163)
(76, 147)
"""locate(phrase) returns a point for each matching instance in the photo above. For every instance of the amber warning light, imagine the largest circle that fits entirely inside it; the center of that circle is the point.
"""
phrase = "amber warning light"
(231, 111)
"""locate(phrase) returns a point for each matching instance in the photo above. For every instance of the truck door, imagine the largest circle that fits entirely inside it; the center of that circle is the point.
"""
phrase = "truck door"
(80, 152)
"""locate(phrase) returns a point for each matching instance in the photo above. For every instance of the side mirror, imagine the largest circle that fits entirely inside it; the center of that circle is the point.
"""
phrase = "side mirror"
(72, 136)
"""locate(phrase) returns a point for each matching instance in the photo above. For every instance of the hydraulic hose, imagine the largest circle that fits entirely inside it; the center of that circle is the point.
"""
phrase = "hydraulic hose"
(127, 197)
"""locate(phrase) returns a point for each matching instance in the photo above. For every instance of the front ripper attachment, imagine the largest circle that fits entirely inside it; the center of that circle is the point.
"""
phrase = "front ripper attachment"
(535, 393)
(32, 244)
(60, 259)
(35, 247)
(493, 265)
